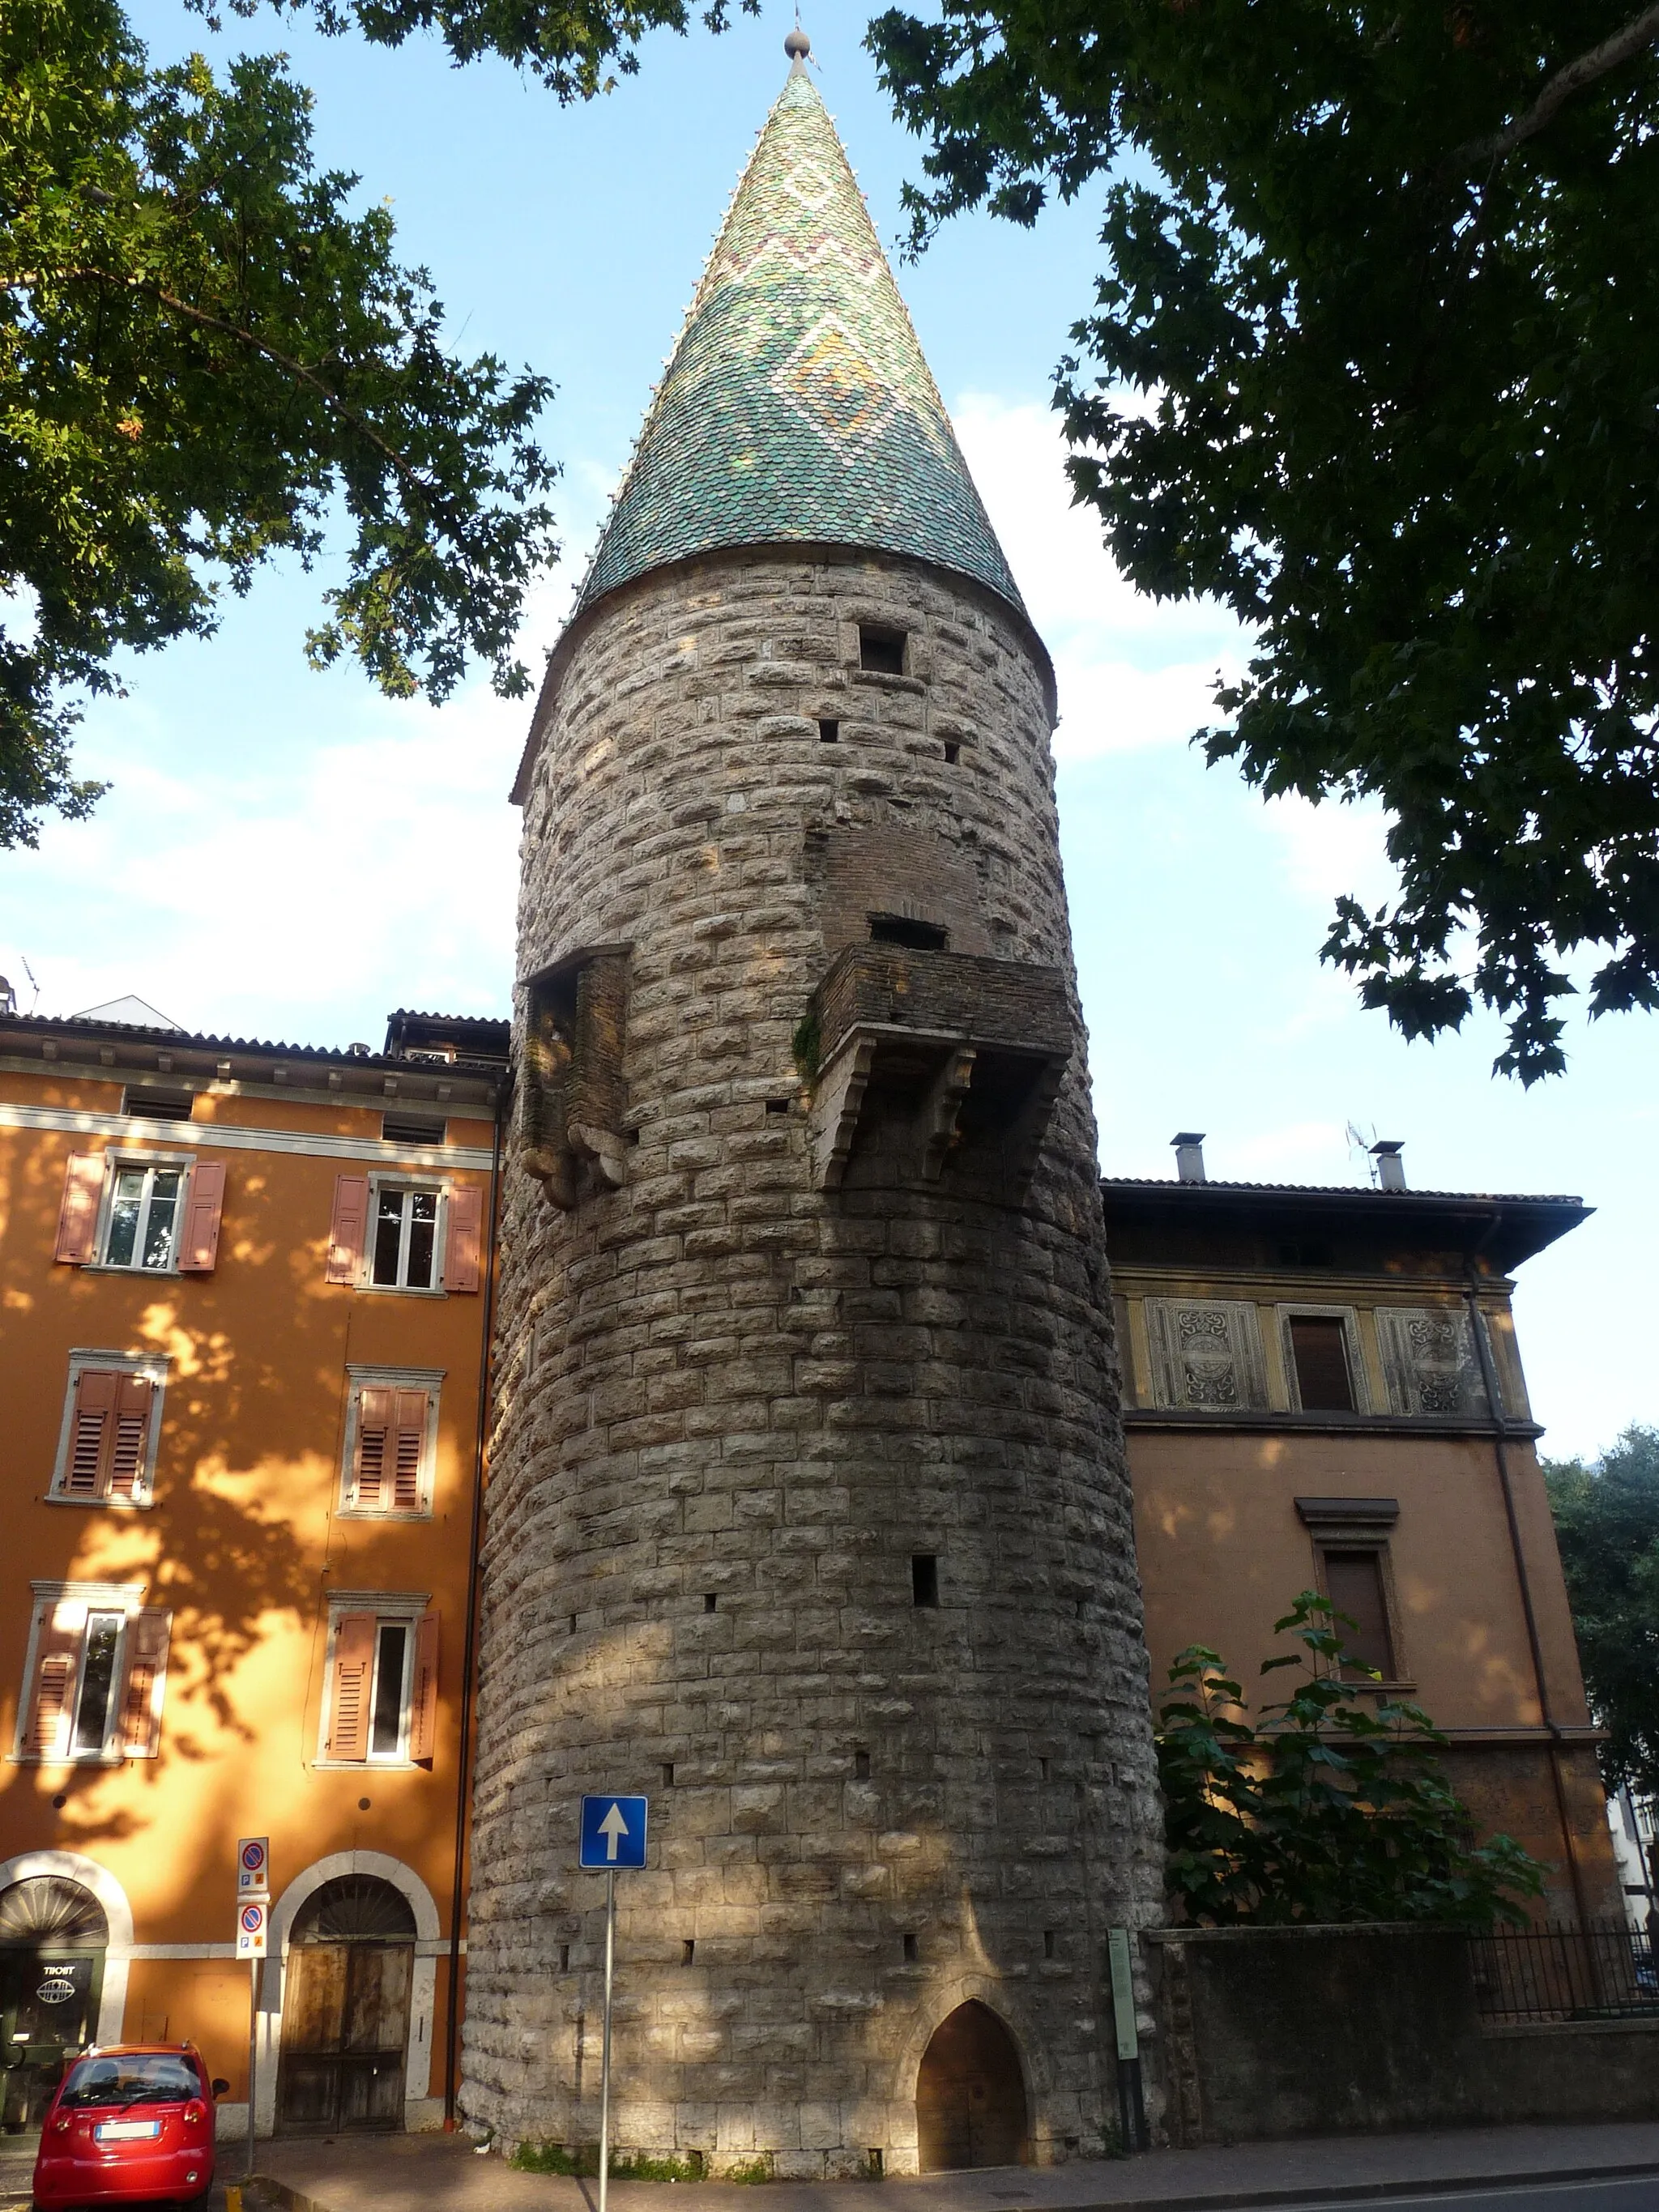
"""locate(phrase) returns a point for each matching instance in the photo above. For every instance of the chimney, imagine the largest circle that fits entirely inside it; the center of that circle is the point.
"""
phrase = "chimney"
(1390, 1168)
(1189, 1155)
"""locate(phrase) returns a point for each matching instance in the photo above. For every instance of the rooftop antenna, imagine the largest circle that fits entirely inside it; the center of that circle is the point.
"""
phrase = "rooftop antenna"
(1360, 1141)
(29, 972)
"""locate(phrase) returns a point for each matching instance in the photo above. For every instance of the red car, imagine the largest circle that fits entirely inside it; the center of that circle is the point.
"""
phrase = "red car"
(130, 2124)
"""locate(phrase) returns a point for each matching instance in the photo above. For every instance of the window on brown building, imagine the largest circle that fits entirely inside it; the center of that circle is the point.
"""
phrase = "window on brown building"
(1353, 1583)
(1319, 1350)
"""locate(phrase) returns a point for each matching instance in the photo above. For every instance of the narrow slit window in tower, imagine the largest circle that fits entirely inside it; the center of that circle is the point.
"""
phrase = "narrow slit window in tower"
(829, 733)
(689, 1951)
(912, 1950)
(924, 1578)
(860, 1766)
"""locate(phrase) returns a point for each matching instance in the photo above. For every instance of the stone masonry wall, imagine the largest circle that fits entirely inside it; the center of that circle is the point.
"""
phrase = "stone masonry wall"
(732, 1408)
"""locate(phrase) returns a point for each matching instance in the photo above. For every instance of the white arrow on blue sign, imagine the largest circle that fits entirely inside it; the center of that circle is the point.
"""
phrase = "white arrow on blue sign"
(613, 1831)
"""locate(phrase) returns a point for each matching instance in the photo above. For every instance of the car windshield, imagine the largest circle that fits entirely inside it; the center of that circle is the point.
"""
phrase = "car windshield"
(140, 2077)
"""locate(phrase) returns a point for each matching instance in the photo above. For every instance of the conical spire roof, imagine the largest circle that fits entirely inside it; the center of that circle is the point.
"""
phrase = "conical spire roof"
(797, 407)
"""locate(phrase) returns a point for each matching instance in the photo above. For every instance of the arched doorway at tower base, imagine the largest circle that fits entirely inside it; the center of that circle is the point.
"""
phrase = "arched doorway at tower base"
(970, 2094)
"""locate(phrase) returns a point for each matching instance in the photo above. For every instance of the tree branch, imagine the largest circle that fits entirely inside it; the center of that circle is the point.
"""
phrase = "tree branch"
(1641, 31)
(411, 476)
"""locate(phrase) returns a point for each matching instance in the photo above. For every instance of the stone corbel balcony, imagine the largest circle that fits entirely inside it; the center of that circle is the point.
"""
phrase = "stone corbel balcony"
(967, 1043)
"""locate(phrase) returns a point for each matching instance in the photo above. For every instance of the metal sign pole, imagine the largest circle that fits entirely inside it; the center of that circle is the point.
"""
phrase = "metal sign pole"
(1131, 2099)
(253, 2055)
(604, 2053)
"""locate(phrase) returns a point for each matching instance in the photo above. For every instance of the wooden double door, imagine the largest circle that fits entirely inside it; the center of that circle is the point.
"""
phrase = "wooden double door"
(345, 2032)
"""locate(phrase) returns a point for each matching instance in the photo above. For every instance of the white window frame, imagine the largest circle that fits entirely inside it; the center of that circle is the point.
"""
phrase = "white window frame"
(126, 1599)
(391, 1608)
(153, 1368)
(360, 1378)
(148, 1162)
(389, 1178)
(1306, 1309)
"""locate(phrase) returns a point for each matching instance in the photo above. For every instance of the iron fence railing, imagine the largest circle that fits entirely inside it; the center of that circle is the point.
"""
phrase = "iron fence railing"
(1602, 1971)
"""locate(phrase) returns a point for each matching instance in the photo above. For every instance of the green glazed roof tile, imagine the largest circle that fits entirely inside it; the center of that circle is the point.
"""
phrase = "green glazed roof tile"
(797, 406)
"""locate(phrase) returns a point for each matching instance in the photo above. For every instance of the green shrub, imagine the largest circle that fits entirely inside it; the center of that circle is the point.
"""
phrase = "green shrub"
(1321, 1810)
(555, 2158)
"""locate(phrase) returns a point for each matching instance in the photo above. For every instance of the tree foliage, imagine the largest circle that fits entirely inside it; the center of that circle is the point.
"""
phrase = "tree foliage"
(1320, 1810)
(1373, 361)
(205, 354)
(1607, 1523)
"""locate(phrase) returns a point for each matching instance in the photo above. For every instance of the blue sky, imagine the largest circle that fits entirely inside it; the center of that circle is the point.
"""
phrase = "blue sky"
(286, 854)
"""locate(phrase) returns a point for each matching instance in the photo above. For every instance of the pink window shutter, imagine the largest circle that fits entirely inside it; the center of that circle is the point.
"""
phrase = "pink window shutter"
(463, 1244)
(198, 1248)
(353, 1675)
(376, 1453)
(409, 1425)
(78, 1216)
(147, 1670)
(57, 1655)
(349, 1229)
(134, 1398)
(92, 1433)
(423, 1691)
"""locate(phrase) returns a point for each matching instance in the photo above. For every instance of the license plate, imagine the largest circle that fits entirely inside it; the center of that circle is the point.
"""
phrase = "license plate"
(127, 2130)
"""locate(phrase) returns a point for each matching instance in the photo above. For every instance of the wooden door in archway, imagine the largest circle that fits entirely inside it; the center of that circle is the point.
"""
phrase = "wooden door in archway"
(345, 2008)
(970, 2094)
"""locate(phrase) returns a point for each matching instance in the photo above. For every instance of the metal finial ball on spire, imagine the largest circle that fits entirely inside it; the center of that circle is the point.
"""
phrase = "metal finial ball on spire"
(798, 45)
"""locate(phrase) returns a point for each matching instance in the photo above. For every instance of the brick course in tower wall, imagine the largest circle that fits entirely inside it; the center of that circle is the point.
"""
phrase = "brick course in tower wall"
(718, 1382)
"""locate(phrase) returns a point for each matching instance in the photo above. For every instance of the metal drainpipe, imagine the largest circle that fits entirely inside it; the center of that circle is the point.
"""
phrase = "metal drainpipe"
(469, 1650)
(1500, 1430)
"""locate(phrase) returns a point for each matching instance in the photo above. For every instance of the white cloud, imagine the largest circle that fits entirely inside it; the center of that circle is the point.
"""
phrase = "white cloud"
(321, 889)
(1131, 671)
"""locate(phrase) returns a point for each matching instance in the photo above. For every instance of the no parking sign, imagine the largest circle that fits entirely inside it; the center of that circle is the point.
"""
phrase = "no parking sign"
(251, 1914)
(253, 1866)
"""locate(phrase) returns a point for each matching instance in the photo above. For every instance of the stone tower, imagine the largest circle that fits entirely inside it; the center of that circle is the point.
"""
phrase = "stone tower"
(808, 1513)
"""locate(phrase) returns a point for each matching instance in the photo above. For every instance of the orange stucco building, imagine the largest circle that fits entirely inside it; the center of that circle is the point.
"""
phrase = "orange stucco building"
(244, 1294)
(1323, 1389)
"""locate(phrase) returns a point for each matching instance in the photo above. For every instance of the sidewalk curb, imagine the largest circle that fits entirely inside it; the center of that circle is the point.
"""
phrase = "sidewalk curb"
(1352, 2192)
(290, 2199)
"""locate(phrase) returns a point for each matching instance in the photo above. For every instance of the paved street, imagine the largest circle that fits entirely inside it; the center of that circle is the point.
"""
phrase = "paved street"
(1637, 2194)
(1461, 2166)
(1460, 2171)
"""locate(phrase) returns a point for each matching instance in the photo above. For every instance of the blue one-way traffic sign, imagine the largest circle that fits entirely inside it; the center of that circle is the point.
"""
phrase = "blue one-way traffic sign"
(613, 1831)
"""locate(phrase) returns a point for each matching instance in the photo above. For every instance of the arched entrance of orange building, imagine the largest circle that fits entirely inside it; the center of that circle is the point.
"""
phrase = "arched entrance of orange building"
(345, 2008)
(53, 1935)
(970, 2094)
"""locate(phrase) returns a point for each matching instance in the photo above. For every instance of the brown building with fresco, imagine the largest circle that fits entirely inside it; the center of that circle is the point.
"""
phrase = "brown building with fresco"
(242, 1307)
(1323, 1389)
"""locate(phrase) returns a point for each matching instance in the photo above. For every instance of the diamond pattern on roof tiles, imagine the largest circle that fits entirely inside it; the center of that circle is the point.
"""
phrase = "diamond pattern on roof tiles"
(797, 406)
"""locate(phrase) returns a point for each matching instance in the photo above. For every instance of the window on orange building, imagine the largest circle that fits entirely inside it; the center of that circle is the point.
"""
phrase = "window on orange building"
(1355, 1585)
(1322, 1362)
(152, 1213)
(111, 1429)
(400, 1233)
(95, 1676)
(382, 1697)
(390, 1440)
